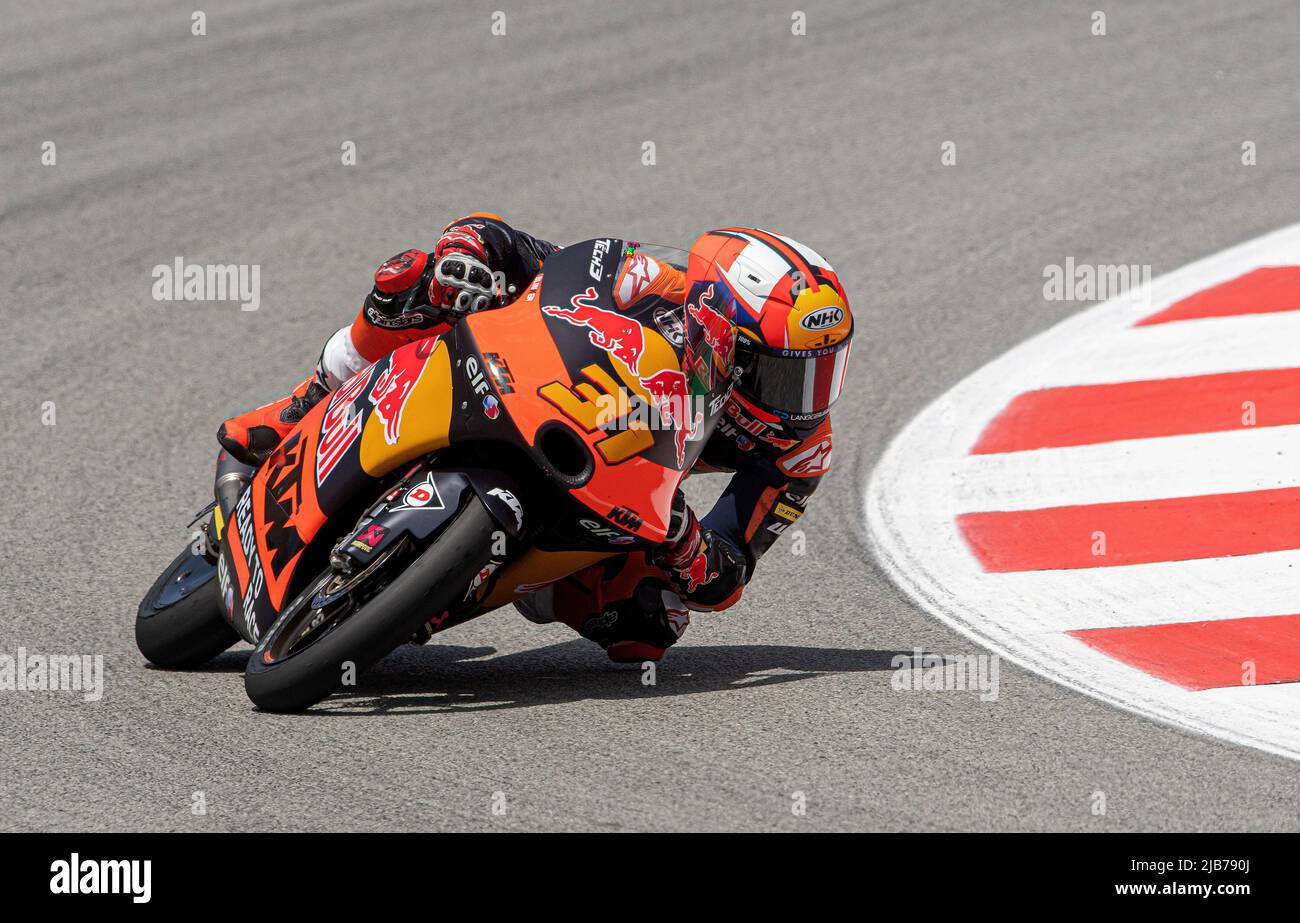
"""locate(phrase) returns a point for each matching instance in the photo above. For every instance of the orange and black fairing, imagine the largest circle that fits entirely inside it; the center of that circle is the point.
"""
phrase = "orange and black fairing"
(606, 349)
(390, 413)
(611, 401)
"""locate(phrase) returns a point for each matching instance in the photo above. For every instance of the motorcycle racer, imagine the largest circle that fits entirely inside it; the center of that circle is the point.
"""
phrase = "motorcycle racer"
(793, 332)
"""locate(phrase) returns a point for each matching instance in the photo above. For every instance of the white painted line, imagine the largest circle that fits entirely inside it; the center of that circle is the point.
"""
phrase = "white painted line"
(1210, 589)
(1258, 458)
(1209, 346)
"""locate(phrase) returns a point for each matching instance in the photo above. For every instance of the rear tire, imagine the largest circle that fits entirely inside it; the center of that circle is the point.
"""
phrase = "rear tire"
(429, 585)
(179, 623)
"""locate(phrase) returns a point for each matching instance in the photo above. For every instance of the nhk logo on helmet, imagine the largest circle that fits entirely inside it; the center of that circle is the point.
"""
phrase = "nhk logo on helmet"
(820, 318)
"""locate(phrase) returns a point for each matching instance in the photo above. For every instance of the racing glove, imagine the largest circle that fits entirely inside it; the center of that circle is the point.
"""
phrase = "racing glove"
(417, 289)
(705, 569)
(397, 299)
(462, 282)
(461, 285)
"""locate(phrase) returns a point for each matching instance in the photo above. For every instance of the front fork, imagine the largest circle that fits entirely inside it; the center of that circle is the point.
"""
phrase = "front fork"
(415, 509)
(420, 506)
(233, 477)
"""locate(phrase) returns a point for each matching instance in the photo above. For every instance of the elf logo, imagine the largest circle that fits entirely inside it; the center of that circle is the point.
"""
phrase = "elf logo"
(474, 373)
(600, 530)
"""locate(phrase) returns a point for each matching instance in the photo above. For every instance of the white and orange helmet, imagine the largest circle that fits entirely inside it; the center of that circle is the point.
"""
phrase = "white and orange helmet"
(793, 322)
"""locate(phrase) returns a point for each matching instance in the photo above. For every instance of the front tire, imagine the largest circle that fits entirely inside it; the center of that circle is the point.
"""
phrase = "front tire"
(280, 678)
(179, 623)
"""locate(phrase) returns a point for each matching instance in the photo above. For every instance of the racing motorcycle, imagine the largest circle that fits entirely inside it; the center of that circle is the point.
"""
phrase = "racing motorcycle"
(452, 477)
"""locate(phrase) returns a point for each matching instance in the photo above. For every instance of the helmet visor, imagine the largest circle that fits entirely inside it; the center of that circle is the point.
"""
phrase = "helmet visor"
(799, 385)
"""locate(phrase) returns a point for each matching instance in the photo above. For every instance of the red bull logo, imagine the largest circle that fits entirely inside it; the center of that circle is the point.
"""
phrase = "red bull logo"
(395, 384)
(717, 330)
(697, 573)
(622, 338)
(672, 397)
(341, 426)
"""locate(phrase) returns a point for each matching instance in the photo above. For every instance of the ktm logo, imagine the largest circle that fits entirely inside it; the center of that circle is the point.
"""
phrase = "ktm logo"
(282, 499)
(626, 518)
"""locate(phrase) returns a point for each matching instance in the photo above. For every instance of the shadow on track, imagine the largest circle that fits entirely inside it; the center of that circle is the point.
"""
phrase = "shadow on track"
(449, 679)
(455, 679)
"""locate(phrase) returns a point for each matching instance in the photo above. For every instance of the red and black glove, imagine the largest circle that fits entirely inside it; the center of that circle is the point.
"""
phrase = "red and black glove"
(706, 571)
(397, 301)
(462, 281)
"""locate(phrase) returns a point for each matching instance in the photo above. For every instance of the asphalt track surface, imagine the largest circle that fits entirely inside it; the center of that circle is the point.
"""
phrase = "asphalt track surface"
(226, 148)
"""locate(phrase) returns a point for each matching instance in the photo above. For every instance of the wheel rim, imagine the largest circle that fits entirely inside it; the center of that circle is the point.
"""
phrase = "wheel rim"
(185, 576)
(324, 606)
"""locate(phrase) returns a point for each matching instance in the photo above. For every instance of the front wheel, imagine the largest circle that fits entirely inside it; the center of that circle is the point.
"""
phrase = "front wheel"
(302, 657)
(179, 623)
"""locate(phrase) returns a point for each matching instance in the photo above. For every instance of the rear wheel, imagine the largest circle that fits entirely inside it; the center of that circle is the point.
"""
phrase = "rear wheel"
(179, 623)
(349, 622)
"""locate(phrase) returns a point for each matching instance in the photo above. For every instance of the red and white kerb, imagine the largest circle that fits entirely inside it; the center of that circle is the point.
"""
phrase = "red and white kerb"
(1115, 503)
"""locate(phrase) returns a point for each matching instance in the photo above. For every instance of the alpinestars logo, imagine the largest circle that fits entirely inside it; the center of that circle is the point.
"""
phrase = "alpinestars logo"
(415, 318)
(809, 462)
(639, 274)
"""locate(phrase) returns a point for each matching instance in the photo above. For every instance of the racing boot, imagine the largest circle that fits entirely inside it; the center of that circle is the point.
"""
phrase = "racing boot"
(641, 628)
(636, 614)
(251, 437)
